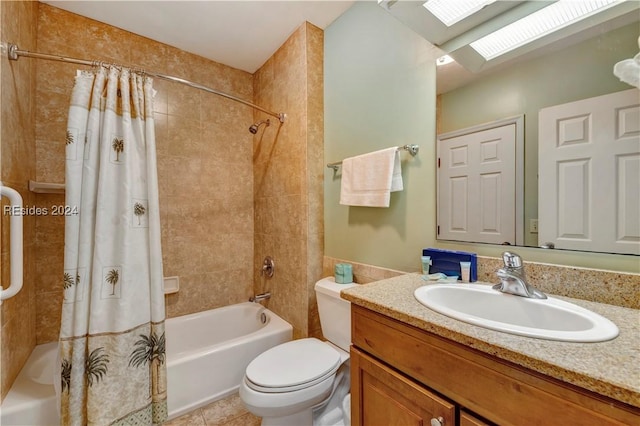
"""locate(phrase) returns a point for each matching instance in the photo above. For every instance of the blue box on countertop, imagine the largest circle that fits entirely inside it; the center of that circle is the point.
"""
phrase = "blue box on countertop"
(448, 262)
(344, 273)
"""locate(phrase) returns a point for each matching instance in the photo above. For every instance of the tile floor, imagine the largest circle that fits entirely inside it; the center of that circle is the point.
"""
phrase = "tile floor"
(225, 412)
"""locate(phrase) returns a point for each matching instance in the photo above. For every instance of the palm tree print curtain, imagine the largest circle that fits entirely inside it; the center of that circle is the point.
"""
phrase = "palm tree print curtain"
(112, 343)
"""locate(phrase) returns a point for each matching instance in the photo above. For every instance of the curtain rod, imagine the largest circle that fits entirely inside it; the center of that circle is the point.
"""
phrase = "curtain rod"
(13, 53)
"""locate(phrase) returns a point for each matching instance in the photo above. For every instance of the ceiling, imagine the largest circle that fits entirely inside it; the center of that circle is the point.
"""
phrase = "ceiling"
(241, 34)
(245, 33)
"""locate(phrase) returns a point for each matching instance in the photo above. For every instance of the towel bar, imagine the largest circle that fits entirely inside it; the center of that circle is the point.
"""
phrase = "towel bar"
(413, 150)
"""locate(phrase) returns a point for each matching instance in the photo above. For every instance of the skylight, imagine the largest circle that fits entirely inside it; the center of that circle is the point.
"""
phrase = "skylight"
(540, 23)
(450, 12)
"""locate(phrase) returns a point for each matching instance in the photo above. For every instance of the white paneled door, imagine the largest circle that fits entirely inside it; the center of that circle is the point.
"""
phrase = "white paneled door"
(589, 174)
(477, 185)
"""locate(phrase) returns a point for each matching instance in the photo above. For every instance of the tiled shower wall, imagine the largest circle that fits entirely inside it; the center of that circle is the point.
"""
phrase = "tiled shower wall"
(17, 152)
(206, 170)
(205, 164)
(288, 167)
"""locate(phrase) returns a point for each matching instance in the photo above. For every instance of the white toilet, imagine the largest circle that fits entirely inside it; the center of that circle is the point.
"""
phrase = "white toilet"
(285, 384)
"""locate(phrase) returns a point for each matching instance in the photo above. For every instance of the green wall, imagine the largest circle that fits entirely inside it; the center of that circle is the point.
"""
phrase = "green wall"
(380, 92)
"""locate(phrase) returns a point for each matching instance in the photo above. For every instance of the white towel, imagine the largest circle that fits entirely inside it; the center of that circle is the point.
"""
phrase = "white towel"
(369, 179)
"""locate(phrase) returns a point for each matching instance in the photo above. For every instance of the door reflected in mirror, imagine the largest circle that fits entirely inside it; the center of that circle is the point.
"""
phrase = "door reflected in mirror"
(570, 70)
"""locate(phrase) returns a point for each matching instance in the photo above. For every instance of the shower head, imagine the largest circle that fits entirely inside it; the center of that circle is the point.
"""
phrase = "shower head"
(254, 127)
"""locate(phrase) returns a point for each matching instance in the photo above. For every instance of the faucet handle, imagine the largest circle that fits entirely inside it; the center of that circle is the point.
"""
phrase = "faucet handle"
(511, 260)
(268, 267)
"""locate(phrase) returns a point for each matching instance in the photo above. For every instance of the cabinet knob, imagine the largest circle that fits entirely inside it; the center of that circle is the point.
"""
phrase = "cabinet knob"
(437, 421)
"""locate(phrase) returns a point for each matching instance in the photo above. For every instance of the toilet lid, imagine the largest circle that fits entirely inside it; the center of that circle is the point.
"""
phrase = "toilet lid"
(293, 365)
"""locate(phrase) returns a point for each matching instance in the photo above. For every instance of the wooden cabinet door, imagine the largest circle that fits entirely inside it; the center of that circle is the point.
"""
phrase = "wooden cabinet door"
(382, 396)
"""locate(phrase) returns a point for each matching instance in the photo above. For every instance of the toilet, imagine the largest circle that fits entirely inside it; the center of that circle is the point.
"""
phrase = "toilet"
(295, 382)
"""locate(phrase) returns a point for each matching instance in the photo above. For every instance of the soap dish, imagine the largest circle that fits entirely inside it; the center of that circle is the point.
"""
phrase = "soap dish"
(171, 285)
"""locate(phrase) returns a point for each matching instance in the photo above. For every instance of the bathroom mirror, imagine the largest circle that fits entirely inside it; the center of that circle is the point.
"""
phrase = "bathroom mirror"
(571, 69)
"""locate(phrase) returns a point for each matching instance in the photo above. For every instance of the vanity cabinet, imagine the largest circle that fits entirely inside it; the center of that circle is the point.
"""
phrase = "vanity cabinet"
(386, 397)
(402, 375)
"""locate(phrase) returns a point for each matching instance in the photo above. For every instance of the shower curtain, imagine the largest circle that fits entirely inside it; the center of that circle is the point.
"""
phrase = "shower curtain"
(112, 342)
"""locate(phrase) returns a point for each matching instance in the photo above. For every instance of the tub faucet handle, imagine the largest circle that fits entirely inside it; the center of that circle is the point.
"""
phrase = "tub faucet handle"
(268, 267)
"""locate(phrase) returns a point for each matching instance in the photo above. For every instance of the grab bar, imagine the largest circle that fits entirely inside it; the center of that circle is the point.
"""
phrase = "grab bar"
(15, 241)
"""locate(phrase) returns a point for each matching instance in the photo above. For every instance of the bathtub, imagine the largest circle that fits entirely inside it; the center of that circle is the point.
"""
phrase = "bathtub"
(207, 353)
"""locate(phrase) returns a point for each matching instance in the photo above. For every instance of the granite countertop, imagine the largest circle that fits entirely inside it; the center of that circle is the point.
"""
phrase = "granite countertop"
(609, 368)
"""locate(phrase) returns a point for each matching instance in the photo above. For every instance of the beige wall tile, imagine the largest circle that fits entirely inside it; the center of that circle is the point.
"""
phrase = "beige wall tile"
(184, 136)
(49, 309)
(183, 101)
(17, 341)
(16, 307)
(180, 175)
(201, 292)
(204, 163)
(227, 145)
(161, 99)
(285, 182)
(161, 127)
(18, 21)
(52, 108)
(231, 181)
(198, 292)
(362, 273)
(50, 161)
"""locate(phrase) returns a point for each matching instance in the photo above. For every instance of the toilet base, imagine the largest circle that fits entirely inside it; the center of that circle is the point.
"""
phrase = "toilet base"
(298, 419)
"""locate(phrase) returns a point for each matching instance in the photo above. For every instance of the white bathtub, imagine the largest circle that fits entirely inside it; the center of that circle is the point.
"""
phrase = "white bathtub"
(207, 353)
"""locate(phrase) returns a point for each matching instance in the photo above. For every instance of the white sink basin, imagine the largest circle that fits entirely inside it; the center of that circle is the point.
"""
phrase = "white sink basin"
(551, 318)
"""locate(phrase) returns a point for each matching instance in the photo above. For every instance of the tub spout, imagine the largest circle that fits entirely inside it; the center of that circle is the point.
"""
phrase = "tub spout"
(260, 297)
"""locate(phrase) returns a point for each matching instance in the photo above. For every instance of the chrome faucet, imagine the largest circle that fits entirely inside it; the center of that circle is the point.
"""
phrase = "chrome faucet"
(260, 297)
(513, 279)
(268, 267)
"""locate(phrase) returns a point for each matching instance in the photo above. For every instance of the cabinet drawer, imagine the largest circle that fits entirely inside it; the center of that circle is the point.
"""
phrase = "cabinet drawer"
(501, 392)
(382, 396)
(468, 419)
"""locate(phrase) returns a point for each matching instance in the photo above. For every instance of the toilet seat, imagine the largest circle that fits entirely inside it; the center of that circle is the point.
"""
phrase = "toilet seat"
(292, 366)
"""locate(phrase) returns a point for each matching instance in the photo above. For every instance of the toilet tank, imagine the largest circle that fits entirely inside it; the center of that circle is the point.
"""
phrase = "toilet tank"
(335, 313)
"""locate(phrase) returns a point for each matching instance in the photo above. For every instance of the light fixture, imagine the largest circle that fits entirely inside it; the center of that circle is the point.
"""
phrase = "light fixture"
(450, 12)
(540, 23)
(444, 60)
